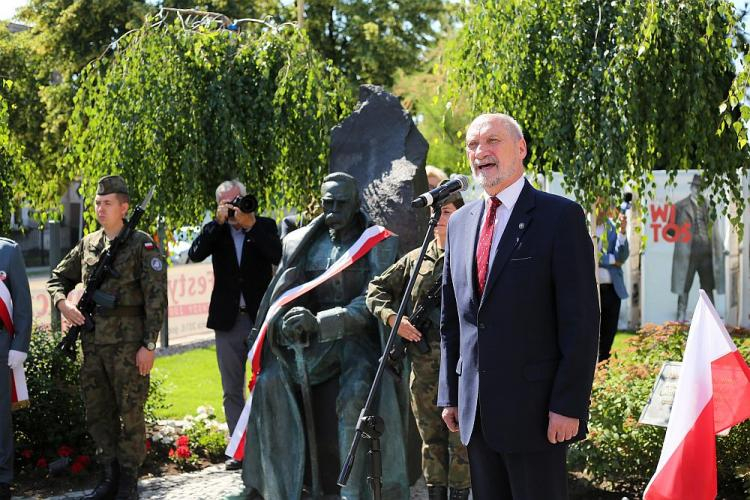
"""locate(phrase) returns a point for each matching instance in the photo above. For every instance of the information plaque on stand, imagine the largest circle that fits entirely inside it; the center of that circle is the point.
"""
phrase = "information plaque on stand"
(659, 405)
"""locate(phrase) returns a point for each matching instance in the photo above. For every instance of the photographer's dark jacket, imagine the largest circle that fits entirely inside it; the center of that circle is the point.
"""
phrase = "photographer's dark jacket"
(260, 251)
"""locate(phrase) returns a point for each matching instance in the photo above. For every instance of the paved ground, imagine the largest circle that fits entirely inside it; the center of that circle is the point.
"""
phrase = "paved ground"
(212, 483)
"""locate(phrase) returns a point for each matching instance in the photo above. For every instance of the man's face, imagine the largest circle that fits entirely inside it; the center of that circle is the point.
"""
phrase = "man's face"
(494, 153)
(339, 204)
(109, 209)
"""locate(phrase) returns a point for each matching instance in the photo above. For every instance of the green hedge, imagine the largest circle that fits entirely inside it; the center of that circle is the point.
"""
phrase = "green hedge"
(56, 416)
(622, 454)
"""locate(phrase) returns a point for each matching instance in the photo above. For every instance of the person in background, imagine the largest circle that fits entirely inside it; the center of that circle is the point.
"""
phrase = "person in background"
(613, 251)
(244, 248)
(444, 459)
(118, 354)
(434, 176)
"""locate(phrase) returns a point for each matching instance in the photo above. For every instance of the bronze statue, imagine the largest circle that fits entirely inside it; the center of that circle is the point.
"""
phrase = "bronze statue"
(325, 335)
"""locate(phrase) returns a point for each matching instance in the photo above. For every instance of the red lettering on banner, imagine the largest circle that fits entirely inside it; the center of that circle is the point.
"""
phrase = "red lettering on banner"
(662, 212)
(663, 224)
(181, 287)
(188, 309)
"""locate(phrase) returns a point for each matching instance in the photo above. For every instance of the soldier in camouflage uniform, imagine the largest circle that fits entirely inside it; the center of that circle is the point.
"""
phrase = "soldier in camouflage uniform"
(444, 459)
(119, 353)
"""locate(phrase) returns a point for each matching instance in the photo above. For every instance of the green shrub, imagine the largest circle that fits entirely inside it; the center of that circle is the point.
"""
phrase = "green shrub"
(622, 453)
(208, 436)
(56, 416)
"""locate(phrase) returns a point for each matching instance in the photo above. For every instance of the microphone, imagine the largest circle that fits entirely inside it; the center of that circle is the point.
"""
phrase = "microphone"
(434, 196)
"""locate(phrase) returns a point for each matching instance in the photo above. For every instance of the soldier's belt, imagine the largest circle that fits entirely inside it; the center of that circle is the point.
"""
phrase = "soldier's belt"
(121, 312)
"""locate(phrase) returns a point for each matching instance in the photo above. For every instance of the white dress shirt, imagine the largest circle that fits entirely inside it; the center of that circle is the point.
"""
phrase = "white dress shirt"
(508, 197)
(238, 236)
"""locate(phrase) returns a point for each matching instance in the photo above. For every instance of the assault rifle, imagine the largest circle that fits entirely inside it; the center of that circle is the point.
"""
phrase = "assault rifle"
(421, 321)
(92, 296)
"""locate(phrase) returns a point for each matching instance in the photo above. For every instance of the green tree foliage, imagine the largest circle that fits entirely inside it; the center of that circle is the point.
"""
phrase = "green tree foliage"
(607, 92)
(44, 62)
(441, 123)
(370, 39)
(238, 9)
(14, 166)
(183, 109)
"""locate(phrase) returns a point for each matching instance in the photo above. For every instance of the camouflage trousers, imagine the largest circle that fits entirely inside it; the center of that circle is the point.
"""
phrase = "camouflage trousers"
(444, 459)
(114, 394)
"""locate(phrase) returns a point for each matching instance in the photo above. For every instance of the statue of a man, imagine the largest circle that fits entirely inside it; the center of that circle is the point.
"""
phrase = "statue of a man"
(325, 334)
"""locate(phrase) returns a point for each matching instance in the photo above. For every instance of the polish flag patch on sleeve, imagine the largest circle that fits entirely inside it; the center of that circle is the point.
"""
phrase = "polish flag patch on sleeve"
(148, 245)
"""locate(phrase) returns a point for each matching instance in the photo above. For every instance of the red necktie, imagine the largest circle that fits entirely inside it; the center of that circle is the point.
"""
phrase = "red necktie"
(485, 244)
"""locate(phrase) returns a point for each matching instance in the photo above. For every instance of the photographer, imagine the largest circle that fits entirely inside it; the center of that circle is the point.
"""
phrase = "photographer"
(244, 247)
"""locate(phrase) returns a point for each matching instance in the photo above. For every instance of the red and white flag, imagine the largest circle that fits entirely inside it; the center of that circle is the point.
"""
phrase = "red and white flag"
(713, 394)
(367, 240)
(19, 394)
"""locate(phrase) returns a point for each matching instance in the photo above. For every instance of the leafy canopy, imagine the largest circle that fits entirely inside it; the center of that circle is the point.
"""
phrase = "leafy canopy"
(607, 92)
(183, 109)
(370, 39)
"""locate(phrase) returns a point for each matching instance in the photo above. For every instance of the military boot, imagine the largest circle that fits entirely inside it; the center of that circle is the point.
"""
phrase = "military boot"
(437, 492)
(460, 494)
(127, 486)
(107, 486)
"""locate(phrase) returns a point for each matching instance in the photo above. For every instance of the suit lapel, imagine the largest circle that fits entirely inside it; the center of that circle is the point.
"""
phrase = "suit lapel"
(519, 221)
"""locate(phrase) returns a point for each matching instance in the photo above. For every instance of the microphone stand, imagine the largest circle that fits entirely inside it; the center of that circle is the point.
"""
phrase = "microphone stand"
(370, 425)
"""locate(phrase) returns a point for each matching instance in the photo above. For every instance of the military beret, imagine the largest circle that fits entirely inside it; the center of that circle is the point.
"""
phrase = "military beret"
(111, 184)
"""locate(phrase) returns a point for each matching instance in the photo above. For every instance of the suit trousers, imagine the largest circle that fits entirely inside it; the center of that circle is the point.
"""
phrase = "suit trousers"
(231, 355)
(610, 305)
(515, 476)
(6, 425)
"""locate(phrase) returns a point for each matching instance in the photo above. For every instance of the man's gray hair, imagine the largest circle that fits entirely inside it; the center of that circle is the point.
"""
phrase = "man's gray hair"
(510, 123)
(227, 186)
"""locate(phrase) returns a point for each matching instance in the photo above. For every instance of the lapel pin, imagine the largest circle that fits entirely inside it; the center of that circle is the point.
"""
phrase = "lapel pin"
(521, 225)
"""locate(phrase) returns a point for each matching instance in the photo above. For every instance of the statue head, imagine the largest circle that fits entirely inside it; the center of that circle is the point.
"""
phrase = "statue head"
(340, 200)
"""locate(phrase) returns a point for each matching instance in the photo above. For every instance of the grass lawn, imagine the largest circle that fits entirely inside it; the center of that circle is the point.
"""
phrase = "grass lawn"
(191, 379)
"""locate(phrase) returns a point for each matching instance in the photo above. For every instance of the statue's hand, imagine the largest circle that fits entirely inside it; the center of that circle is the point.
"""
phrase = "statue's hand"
(297, 326)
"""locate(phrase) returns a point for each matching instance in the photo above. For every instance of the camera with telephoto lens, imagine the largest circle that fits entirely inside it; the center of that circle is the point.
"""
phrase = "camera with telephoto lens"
(246, 204)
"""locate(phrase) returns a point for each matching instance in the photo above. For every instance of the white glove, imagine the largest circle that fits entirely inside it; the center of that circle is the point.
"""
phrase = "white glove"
(16, 359)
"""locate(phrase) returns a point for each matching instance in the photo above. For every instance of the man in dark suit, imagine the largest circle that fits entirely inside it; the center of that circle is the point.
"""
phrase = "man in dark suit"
(520, 323)
(244, 247)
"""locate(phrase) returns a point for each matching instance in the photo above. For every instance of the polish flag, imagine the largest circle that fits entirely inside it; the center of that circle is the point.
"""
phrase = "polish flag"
(713, 394)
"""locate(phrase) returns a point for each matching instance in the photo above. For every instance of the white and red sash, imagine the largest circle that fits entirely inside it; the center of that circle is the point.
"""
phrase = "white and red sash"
(19, 394)
(367, 240)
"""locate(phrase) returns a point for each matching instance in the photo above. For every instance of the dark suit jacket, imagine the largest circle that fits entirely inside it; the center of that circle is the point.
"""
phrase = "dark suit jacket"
(260, 251)
(529, 344)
